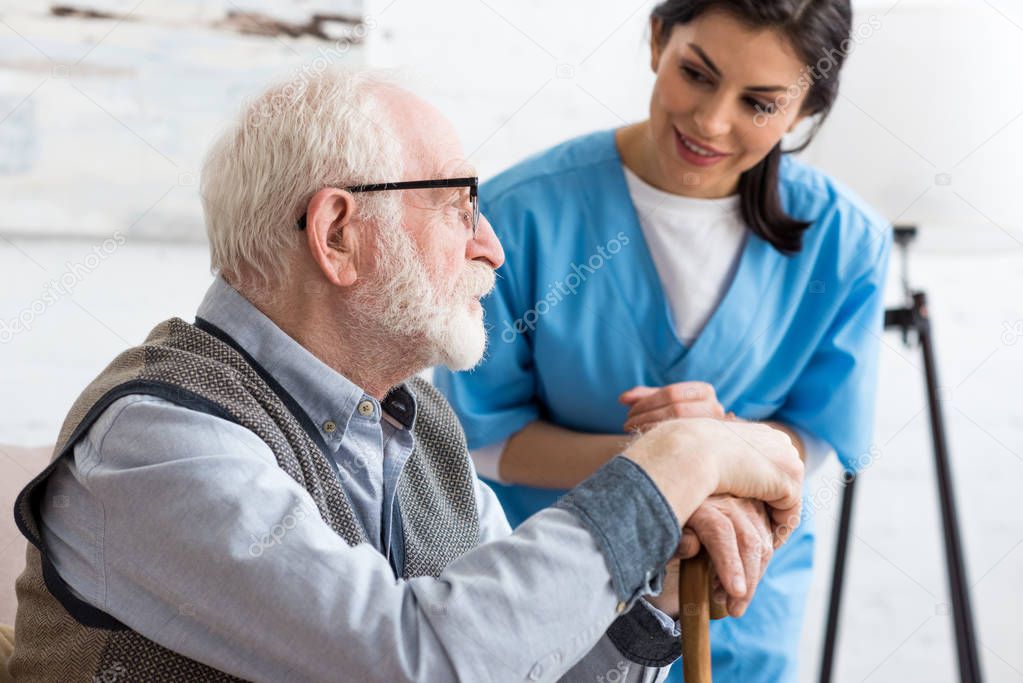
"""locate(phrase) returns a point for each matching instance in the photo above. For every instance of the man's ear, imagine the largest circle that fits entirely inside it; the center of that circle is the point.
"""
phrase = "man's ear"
(655, 44)
(332, 235)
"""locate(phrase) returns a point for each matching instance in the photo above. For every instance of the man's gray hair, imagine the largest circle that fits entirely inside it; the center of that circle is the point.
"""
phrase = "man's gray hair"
(299, 136)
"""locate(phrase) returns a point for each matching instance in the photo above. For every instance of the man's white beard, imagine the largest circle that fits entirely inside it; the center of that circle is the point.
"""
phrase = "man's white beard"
(404, 302)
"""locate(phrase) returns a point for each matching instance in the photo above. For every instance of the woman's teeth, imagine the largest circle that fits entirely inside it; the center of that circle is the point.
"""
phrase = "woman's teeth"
(697, 150)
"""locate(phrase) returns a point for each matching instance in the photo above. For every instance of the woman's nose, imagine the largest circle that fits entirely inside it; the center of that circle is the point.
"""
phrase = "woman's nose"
(712, 118)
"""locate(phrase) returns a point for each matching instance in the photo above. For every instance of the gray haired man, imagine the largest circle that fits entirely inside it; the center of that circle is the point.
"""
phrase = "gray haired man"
(270, 494)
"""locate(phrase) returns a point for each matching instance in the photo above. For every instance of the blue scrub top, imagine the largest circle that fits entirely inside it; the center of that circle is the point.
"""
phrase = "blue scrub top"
(579, 316)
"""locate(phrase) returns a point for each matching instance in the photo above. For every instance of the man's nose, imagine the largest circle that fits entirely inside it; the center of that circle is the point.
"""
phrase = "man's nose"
(485, 246)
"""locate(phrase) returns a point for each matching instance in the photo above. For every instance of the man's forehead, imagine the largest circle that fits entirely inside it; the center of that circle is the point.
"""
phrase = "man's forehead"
(431, 143)
(438, 156)
(427, 162)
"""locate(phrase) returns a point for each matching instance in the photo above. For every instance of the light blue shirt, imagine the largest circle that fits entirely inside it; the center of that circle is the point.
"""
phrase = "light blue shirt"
(182, 526)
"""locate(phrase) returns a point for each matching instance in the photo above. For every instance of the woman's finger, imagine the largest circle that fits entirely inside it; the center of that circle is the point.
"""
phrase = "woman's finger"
(635, 393)
(669, 412)
(679, 392)
(711, 409)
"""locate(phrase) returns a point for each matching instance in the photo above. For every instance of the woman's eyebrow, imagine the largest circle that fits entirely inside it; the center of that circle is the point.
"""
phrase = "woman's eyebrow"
(717, 72)
(706, 60)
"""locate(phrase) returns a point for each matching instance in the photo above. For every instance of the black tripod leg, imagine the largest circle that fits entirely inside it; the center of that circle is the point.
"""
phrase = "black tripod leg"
(837, 579)
(965, 635)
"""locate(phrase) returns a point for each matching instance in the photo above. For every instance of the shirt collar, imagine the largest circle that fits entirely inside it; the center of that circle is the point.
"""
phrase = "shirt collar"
(328, 397)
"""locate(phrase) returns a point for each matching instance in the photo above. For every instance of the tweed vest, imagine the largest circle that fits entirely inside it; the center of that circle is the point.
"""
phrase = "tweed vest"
(59, 637)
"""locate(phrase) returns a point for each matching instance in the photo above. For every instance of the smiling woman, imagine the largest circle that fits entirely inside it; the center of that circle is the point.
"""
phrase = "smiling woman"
(725, 112)
(747, 283)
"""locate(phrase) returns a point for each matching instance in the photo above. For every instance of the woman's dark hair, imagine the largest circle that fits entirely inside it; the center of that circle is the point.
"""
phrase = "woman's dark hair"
(820, 33)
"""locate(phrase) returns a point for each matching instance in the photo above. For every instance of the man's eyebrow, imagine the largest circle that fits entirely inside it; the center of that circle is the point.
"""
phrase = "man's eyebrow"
(454, 167)
(717, 72)
(463, 170)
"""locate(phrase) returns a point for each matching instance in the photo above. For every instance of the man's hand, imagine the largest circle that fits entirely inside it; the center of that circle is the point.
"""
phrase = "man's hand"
(690, 459)
(738, 536)
(650, 405)
(741, 533)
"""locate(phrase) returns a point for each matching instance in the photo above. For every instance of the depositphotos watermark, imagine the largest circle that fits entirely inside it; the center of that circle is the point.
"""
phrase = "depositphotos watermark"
(818, 71)
(112, 673)
(619, 673)
(1012, 332)
(831, 487)
(296, 86)
(560, 289)
(277, 532)
(73, 275)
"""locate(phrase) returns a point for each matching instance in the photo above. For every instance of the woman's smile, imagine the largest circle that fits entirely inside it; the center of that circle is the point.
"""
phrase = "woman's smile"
(697, 153)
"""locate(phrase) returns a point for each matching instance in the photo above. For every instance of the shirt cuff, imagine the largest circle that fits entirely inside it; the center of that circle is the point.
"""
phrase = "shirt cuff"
(640, 635)
(670, 626)
(488, 459)
(632, 523)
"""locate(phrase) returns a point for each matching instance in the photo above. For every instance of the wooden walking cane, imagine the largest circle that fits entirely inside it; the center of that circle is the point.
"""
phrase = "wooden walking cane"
(696, 609)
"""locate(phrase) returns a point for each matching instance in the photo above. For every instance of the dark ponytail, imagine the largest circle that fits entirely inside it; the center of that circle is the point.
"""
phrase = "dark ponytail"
(761, 205)
(819, 30)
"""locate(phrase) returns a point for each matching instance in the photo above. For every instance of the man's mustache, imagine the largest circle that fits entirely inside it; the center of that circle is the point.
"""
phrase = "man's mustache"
(477, 281)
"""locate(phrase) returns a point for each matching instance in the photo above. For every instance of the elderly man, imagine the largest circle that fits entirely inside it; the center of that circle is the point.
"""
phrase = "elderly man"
(270, 494)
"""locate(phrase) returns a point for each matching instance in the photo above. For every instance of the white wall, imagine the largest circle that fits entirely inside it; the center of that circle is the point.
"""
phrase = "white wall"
(934, 90)
(105, 120)
(929, 125)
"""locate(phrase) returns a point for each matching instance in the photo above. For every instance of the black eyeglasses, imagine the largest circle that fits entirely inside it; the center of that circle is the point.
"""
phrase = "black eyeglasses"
(471, 183)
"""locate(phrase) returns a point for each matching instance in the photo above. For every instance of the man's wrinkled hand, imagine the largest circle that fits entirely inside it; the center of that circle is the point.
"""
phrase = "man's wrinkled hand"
(738, 536)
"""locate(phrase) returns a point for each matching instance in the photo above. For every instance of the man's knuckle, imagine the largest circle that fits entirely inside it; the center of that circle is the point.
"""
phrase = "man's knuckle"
(719, 533)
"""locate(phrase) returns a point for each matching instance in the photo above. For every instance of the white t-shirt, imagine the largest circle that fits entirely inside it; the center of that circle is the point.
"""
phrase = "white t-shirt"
(696, 246)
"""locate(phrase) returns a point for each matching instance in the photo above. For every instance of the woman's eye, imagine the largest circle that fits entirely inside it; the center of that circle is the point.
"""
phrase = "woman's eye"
(694, 75)
(761, 107)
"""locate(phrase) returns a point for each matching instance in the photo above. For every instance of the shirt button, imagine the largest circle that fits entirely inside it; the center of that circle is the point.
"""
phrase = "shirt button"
(620, 607)
(329, 426)
(366, 408)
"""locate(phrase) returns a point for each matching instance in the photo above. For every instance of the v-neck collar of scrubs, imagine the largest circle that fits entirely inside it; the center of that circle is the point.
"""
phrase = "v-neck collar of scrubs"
(726, 336)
